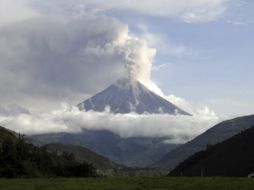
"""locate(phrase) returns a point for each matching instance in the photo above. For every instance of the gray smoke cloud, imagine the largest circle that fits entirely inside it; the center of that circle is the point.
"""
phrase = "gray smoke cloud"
(67, 57)
(178, 129)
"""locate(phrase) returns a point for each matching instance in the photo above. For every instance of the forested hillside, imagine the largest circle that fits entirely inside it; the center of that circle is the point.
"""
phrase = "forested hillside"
(21, 159)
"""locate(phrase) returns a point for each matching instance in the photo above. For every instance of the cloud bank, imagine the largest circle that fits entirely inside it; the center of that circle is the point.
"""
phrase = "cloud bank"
(178, 129)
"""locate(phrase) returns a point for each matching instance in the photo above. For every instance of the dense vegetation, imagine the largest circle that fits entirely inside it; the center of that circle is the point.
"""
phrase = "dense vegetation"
(21, 159)
(81, 155)
(233, 157)
(164, 183)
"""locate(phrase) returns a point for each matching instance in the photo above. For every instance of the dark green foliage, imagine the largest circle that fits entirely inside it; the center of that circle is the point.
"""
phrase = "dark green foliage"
(81, 154)
(233, 157)
(81, 170)
(21, 159)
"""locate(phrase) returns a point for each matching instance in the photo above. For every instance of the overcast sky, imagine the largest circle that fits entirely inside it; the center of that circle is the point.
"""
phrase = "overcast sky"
(200, 51)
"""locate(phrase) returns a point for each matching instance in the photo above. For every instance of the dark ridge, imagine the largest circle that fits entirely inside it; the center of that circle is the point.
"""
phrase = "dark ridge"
(21, 159)
(214, 135)
(233, 157)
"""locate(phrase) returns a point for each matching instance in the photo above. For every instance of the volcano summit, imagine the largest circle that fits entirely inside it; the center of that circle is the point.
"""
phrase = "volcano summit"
(126, 97)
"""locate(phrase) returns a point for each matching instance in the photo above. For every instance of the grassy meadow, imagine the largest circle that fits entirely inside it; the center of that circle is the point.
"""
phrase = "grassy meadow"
(131, 183)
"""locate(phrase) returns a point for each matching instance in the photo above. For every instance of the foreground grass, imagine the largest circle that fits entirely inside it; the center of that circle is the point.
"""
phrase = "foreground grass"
(162, 183)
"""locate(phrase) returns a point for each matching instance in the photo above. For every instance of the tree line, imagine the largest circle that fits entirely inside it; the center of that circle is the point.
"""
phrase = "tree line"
(21, 159)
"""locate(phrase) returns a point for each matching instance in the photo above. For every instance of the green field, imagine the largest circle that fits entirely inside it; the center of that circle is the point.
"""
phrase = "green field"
(128, 183)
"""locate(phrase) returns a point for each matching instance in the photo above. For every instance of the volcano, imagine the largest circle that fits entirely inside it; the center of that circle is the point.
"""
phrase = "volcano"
(126, 96)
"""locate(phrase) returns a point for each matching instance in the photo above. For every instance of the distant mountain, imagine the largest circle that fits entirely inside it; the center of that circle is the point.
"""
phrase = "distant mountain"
(82, 154)
(125, 97)
(212, 136)
(233, 157)
(138, 152)
(21, 159)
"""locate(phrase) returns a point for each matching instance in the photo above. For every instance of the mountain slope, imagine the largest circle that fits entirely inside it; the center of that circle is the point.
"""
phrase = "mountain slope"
(233, 157)
(82, 154)
(126, 151)
(5, 133)
(212, 136)
(125, 97)
(21, 159)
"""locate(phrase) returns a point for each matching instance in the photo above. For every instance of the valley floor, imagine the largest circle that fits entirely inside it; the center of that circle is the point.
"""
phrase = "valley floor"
(132, 183)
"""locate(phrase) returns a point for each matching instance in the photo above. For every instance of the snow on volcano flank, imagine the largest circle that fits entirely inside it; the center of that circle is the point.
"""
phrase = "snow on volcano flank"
(128, 96)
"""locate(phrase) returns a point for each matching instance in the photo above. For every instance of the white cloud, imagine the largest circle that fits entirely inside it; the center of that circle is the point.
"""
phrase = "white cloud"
(63, 57)
(237, 106)
(53, 58)
(70, 119)
(158, 67)
(164, 45)
(240, 23)
(15, 11)
(180, 102)
(13, 110)
(185, 10)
